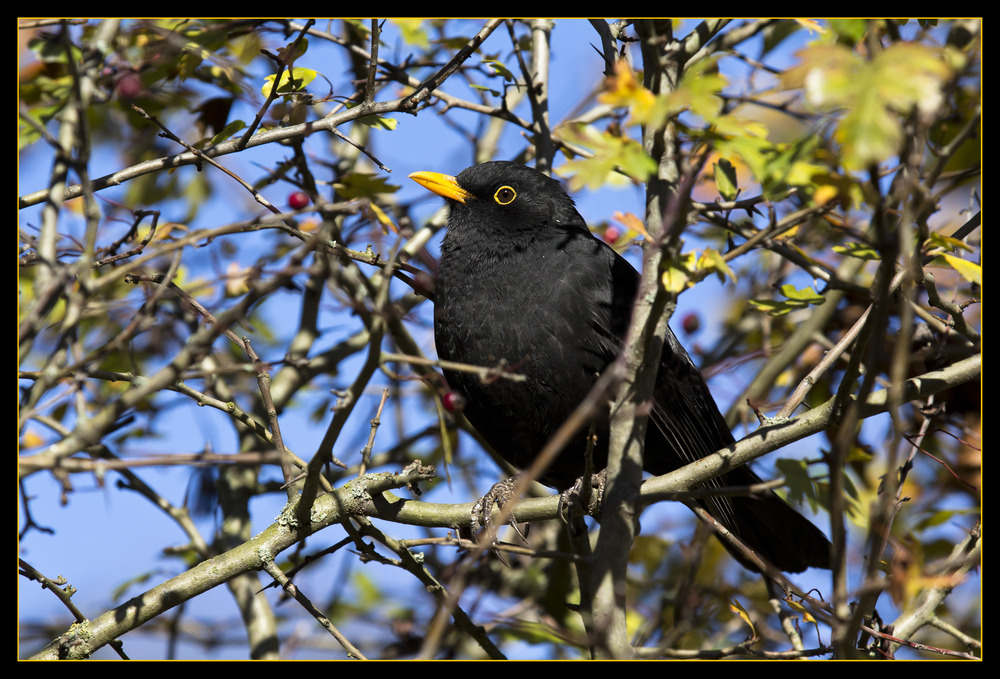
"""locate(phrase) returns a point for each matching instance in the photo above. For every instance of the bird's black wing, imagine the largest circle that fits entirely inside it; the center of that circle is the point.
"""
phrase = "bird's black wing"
(688, 426)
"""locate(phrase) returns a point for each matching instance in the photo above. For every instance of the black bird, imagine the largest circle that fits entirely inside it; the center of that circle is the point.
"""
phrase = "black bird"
(522, 280)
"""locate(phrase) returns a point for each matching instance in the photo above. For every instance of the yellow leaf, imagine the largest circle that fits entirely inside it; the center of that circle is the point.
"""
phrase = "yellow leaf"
(811, 25)
(623, 90)
(31, 439)
(676, 279)
(236, 280)
(631, 222)
(712, 260)
(382, 218)
(737, 608)
(293, 79)
(970, 271)
(166, 231)
(75, 205)
(799, 608)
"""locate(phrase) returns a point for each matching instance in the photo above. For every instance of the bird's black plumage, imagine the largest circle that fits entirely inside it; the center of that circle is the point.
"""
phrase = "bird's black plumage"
(522, 280)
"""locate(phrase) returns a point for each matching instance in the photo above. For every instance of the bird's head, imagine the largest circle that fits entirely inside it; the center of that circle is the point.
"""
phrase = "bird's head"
(504, 198)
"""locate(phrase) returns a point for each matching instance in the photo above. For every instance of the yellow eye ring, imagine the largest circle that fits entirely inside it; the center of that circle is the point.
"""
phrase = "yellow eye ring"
(505, 195)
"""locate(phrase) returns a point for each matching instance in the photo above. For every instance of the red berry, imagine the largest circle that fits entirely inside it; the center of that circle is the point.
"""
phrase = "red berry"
(129, 86)
(298, 200)
(453, 402)
(691, 323)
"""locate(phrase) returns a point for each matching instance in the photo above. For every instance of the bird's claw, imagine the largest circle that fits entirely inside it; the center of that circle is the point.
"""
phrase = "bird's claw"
(587, 495)
(482, 512)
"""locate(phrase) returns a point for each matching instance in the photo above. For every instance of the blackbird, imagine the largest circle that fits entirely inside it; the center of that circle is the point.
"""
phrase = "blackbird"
(522, 281)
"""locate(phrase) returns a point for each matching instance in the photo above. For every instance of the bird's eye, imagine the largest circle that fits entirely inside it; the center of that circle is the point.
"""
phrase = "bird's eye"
(505, 195)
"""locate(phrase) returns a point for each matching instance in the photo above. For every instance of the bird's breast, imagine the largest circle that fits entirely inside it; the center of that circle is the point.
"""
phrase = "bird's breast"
(530, 314)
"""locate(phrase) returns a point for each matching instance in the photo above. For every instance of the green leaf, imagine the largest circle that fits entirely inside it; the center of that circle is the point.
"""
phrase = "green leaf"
(773, 307)
(28, 134)
(412, 31)
(873, 94)
(851, 29)
(376, 121)
(698, 91)
(500, 69)
(228, 131)
(805, 295)
(53, 51)
(944, 516)
(775, 34)
(799, 484)
(293, 51)
(725, 179)
(363, 185)
(775, 166)
(940, 242)
(483, 88)
(611, 154)
(796, 299)
(379, 122)
(859, 250)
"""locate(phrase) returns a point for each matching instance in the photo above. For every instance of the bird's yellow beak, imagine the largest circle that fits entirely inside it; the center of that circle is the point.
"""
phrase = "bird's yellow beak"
(441, 184)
